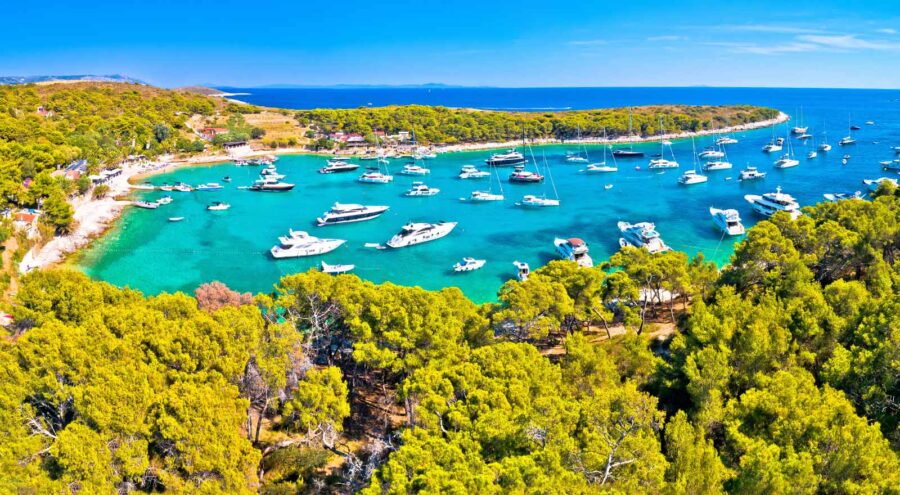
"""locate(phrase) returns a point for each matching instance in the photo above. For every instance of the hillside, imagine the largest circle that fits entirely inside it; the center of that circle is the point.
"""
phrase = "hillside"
(64, 79)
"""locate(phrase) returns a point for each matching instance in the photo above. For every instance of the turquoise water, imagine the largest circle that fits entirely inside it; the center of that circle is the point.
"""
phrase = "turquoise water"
(147, 252)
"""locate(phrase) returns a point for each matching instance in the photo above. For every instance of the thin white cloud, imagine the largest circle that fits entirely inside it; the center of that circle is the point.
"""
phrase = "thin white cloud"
(791, 47)
(587, 42)
(769, 28)
(667, 38)
(886, 31)
(848, 42)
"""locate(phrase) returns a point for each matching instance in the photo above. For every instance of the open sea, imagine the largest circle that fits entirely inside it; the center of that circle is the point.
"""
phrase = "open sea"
(146, 252)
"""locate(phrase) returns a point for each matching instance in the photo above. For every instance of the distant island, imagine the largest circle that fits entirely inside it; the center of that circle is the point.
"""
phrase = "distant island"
(69, 78)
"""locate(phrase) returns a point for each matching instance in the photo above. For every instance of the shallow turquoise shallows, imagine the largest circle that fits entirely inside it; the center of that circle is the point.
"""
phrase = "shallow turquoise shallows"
(147, 252)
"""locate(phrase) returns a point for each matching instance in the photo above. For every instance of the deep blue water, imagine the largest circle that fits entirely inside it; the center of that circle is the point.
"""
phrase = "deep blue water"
(787, 99)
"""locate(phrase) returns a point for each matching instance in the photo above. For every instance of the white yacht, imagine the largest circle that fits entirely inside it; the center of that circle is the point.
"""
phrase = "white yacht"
(336, 269)
(891, 165)
(711, 153)
(601, 168)
(751, 173)
(511, 157)
(483, 196)
(182, 187)
(417, 233)
(468, 265)
(573, 158)
(338, 164)
(270, 184)
(690, 177)
(375, 177)
(522, 270)
(520, 175)
(164, 200)
(412, 169)
(694, 176)
(148, 205)
(420, 189)
(848, 139)
(800, 129)
(873, 184)
(641, 234)
(348, 213)
(471, 172)
(530, 200)
(218, 206)
(728, 221)
(772, 147)
(726, 140)
(770, 203)
(811, 155)
(824, 146)
(301, 244)
(662, 162)
(210, 186)
(574, 249)
(786, 161)
(717, 165)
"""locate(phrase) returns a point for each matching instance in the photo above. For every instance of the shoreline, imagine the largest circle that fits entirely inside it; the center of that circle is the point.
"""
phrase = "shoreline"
(94, 217)
(456, 148)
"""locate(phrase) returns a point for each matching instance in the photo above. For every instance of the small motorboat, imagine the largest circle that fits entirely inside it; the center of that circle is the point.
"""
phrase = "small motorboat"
(602, 167)
(608, 187)
(855, 127)
(375, 245)
(870, 122)
(336, 269)
(218, 206)
(176, 219)
(142, 187)
(531, 200)
(149, 205)
(164, 200)
(468, 265)
(182, 187)
(166, 187)
(414, 170)
(210, 186)
(420, 189)
(227, 178)
(811, 155)
(522, 270)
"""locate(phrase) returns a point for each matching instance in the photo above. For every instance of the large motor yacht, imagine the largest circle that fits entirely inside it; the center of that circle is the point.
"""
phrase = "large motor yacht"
(873, 184)
(641, 235)
(347, 213)
(511, 157)
(728, 221)
(337, 165)
(483, 196)
(770, 203)
(417, 233)
(270, 185)
(574, 249)
(413, 169)
(298, 244)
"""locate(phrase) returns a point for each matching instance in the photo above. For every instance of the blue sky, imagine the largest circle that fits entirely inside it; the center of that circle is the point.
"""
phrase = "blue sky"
(826, 43)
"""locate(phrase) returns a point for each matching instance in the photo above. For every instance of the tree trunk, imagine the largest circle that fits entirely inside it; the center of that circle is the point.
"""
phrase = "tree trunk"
(259, 420)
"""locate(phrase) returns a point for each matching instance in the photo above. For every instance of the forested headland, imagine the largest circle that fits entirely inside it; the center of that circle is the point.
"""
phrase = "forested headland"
(442, 125)
(781, 376)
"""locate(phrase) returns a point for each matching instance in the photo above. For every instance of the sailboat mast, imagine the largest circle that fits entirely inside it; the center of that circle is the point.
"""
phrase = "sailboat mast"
(550, 175)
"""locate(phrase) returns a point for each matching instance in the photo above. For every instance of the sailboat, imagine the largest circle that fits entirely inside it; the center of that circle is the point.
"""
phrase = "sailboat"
(602, 167)
(824, 146)
(849, 138)
(531, 200)
(694, 176)
(772, 145)
(489, 195)
(800, 130)
(578, 157)
(628, 153)
(787, 160)
(662, 162)
(721, 164)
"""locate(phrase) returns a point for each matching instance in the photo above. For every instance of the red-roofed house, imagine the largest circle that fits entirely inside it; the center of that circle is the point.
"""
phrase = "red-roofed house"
(211, 132)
